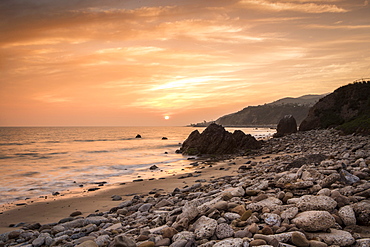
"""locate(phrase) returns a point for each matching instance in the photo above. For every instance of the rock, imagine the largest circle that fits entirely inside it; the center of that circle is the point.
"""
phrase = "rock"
(329, 180)
(76, 213)
(163, 242)
(286, 126)
(184, 235)
(223, 231)
(122, 241)
(88, 243)
(240, 209)
(179, 243)
(335, 237)
(257, 242)
(362, 212)
(347, 215)
(153, 167)
(299, 240)
(314, 243)
(147, 244)
(347, 177)
(221, 205)
(234, 242)
(231, 216)
(102, 240)
(138, 136)
(116, 198)
(271, 219)
(96, 220)
(216, 140)
(314, 220)
(363, 242)
(270, 203)
(246, 215)
(289, 213)
(169, 232)
(145, 207)
(204, 227)
(310, 202)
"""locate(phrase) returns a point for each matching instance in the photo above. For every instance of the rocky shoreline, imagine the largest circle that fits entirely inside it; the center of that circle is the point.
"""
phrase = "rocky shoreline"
(311, 189)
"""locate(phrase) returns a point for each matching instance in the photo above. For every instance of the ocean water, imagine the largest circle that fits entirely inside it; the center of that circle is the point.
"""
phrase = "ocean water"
(37, 161)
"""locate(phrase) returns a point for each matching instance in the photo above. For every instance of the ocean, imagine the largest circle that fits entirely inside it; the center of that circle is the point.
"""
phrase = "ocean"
(39, 161)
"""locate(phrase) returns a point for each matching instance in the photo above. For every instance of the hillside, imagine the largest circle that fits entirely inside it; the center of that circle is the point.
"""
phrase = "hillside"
(270, 114)
(347, 108)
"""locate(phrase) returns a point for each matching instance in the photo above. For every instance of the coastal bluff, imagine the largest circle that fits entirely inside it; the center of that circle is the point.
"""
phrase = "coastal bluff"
(216, 140)
(347, 108)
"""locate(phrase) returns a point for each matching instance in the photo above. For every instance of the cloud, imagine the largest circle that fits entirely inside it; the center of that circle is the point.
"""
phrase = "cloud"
(302, 6)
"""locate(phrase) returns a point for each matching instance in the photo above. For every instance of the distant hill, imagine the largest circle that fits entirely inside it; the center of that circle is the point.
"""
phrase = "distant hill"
(347, 108)
(270, 114)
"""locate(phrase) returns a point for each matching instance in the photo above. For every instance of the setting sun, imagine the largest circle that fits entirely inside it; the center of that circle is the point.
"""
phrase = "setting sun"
(166, 117)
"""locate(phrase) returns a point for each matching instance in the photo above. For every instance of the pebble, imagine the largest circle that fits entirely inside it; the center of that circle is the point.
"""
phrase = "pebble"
(316, 182)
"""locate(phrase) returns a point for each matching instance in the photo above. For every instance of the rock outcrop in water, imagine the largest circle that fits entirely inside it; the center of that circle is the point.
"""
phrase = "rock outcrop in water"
(216, 140)
(347, 108)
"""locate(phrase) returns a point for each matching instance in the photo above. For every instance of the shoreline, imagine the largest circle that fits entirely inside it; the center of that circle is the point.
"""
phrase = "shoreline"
(305, 189)
(55, 208)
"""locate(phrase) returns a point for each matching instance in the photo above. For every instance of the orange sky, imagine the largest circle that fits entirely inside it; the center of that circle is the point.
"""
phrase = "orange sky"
(128, 63)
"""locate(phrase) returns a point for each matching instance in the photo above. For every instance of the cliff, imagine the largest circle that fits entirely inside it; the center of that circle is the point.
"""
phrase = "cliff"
(270, 114)
(347, 108)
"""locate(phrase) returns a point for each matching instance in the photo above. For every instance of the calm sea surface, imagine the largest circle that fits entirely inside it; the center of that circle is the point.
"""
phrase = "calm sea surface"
(36, 161)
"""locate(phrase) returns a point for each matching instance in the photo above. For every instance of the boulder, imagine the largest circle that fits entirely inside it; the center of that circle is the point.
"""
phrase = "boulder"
(204, 227)
(310, 202)
(362, 212)
(334, 237)
(287, 125)
(314, 220)
(216, 140)
(347, 215)
(233, 242)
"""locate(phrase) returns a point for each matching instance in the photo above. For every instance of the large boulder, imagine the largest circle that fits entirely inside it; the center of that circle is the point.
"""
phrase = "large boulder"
(216, 140)
(286, 126)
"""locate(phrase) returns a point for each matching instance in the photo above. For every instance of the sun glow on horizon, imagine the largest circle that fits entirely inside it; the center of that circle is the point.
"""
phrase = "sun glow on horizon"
(180, 61)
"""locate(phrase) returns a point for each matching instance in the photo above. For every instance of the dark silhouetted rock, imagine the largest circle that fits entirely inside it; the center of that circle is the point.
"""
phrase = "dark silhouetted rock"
(286, 126)
(216, 140)
(138, 136)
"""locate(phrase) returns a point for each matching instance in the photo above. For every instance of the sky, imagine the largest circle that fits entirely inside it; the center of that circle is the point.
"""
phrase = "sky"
(171, 62)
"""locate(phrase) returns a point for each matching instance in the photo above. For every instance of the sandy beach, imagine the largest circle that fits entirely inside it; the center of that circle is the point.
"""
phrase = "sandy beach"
(54, 208)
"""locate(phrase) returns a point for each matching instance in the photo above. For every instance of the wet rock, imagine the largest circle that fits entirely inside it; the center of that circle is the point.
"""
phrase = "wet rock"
(314, 220)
